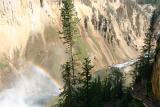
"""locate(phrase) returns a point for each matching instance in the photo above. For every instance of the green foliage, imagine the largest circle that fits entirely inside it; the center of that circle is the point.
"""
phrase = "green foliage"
(89, 92)
(148, 41)
(86, 74)
(69, 22)
(145, 65)
(96, 99)
(66, 97)
(115, 79)
(85, 82)
(158, 41)
(67, 90)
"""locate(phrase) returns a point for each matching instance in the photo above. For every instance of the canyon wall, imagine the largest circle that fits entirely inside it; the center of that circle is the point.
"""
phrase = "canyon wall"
(110, 32)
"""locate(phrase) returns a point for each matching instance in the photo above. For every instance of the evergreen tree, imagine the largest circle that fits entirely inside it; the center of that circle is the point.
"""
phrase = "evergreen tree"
(106, 90)
(69, 22)
(96, 99)
(145, 64)
(66, 95)
(157, 11)
(86, 80)
(115, 80)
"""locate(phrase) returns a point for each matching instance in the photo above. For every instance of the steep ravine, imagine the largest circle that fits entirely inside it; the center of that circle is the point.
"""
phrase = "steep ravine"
(111, 32)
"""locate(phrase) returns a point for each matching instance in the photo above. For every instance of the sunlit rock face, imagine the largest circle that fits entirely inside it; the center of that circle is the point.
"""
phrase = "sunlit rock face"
(111, 31)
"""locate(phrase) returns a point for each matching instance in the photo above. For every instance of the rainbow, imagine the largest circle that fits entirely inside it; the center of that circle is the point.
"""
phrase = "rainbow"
(44, 72)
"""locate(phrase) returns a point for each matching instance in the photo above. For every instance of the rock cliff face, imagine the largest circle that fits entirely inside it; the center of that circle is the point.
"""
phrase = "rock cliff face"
(111, 31)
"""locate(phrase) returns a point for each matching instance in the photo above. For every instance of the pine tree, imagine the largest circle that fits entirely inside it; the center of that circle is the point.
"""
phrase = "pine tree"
(86, 79)
(115, 79)
(96, 95)
(147, 56)
(106, 89)
(157, 12)
(69, 22)
(66, 95)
